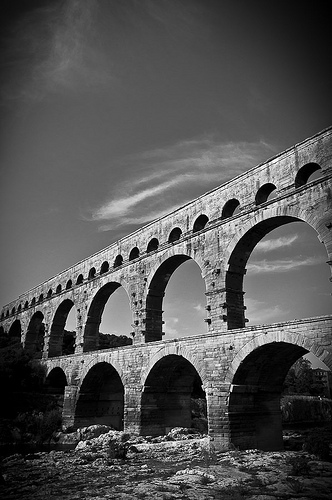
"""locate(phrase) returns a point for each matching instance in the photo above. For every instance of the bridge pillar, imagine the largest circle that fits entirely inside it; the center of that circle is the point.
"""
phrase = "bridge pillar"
(217, 411)
(132, 408)
(69, 404)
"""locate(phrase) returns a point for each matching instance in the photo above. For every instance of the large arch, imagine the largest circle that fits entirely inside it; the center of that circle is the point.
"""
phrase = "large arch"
(95, 312)
(156, 292)
(239, 252)
(56, 340)
(171, 387)
(101, 398)
(15, 330)
(257, 373)
(34, 339)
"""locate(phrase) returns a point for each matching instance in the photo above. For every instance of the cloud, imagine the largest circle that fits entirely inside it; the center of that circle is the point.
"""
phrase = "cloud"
(200, 309)
(280, 266)
(259, 312)
(269, 245)
(165, 178)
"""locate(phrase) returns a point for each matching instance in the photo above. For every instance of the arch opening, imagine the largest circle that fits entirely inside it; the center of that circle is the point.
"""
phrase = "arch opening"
(116, 319)
(230, 208)
(55, 384)
(69, 284)
(80, 279)
(307, 173)
(101, 398)
(104, 267)
(172, 397)
(265, 193)
(254, 404)
(61, 340)
(15, 330)
(152, 245)
(134, 253)
(174, 235)
(200, 223)
(154, 300)
(118, 261)
(34, 340)
(92, 273)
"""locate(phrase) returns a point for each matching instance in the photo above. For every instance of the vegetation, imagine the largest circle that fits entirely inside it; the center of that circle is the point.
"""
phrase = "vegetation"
(301, 380)
(107, 340)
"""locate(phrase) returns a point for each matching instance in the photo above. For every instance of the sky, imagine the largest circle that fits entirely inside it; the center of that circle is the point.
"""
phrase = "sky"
(115, 112)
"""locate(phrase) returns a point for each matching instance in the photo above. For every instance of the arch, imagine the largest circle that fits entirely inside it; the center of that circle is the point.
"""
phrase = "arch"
(7, 313)
(19, 309)
(56, 381)
(304, 173)
(41, 297)
(13, 310)
(167, 398)
(92, 273)
(58, 289)
(200, 223)
(49, 293)
(257, 380)
(174, 235)
(229, 208)
(155, 296)
(69, 284)
(91, 331)
(264, 192)
(15, 329)
(33, 301)
(134, 253)
(2, 315)
(34, 339)
(104, 267)
(79, 279)
(152, 245)
(101, 398)
(57, 334)
(237, 263)
(26, 304)
(118, 261)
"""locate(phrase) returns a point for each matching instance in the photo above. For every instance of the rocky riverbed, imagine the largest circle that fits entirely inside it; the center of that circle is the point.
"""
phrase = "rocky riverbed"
(181, 465)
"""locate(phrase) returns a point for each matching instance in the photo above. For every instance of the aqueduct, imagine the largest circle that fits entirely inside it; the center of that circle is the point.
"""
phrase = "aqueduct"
(147, 387)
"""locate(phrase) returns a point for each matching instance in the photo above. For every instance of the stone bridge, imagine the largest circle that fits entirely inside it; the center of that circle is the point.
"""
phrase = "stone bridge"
(149, 386)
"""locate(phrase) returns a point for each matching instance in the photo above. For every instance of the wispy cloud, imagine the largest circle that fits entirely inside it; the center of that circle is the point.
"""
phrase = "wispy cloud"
(259, 312)
(280, 266)
(165, 178)
(273, 244)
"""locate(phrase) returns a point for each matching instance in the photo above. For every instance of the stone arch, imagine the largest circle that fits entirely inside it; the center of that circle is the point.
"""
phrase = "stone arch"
(41, 298)
(229, 208)
(34, 339)
(134, 253)
(55, 383)
(156, 291)
(104, 267)
(257, 374)
(174, 235)
(101, 397)
(69, 284)
(33, 302)
(58, 289)
(152, 245)
(15, 329)
(264, 192)
(167, 395)
(304, 174)
(80, 279)
(118, 261)
(92, 273)
(56, 339)
(49, 293)
(95, 311)
(240, 249)
(13, 310)
(200, 223)
(26, 304)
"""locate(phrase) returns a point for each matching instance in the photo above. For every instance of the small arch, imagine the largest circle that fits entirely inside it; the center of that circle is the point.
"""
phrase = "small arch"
(49, 293)
(2, 315)
(118, 261)
(58, 289)
(19, 308)
(303, 175)
(33, 301)
(134, 253)
(200, 223)
(264, 193)
(69, 284)
(41, 297)
(79, 279)
(92, 273)
(26, 304)
(153, 245)
(57, 340)
(174, 235)
(13, 310)
(104, 267)
(230, 208)
(7, 313)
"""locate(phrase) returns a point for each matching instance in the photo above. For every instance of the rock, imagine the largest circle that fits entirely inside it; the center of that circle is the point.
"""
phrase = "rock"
(92, 431)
